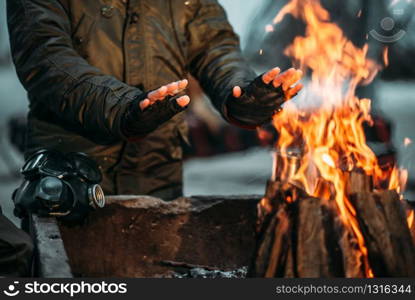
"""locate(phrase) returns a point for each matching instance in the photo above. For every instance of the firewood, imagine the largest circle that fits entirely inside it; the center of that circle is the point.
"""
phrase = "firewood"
(410, 211)
(413, 227)
(312, 255)
(358, 182)
(280, 247)
(303, 236)
(383, 223)
(264, 244)
(290, 271)
(347, 257)
(273, 232)
(272, 247)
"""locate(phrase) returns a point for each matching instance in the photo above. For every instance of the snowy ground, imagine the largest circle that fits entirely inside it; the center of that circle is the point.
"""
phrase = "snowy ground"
(228, 174)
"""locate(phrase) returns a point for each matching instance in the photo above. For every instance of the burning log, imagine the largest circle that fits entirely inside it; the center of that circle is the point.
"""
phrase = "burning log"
(307, 238)
(273, 227)
(382, 220)
(383, 223)
(332, 209)
(411, 219)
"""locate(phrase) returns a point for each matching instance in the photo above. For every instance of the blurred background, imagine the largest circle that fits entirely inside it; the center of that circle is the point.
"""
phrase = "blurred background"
(226, 160)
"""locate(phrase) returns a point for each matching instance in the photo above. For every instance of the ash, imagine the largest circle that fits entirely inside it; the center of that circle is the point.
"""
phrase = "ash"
(203, 273)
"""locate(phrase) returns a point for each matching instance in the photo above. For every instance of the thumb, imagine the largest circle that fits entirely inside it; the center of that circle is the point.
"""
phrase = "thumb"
(144, 104)
(183, 101)
(237, 91)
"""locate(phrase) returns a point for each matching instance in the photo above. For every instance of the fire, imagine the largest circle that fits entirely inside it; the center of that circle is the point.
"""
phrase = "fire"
(264, 203)
(386, 56)
(326, 121)
(398, 180)
(411, 219)
(328, 160)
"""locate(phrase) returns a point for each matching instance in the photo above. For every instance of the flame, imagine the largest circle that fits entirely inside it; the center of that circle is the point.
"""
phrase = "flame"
(398, 180)
(386, 56)
(326, 120)
(328, 160)
(411, 217)
(264, 203)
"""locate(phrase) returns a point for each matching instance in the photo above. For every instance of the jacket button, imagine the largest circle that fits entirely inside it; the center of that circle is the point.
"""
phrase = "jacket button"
(134, 18)
(107, 11)
(79, 40)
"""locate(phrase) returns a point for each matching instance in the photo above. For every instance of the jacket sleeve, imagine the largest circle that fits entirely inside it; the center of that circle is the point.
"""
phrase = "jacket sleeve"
(215, 57)
(59, 82)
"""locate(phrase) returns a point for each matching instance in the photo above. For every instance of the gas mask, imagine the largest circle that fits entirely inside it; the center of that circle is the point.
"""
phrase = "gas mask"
(59, 185)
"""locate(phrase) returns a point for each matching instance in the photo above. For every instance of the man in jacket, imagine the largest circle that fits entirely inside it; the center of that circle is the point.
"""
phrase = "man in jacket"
(105, 77)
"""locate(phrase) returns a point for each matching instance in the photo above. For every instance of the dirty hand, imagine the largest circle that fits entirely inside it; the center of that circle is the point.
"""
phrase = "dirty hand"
(152, 109)
(161, 93)
(256, 104)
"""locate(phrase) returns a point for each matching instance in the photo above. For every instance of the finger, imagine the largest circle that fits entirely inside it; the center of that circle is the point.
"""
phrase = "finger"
(158, 94)
(292, 80)
(144, 104)
(269, 76)
(280, 79)
(176, 87)
(183, 84)
(183, 101)
(237, 92)
(173, 88)
(292, 92)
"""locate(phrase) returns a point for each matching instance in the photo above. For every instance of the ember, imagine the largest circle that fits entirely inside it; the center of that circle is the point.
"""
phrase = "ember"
(336, 211)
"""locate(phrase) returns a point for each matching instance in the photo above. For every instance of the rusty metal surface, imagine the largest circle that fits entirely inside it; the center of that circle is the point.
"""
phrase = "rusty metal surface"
(52, 260)
(131, 236)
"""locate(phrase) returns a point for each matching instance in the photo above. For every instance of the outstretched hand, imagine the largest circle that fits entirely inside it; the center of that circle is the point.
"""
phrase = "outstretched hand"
(163, 92)
(157, 107)
(287, 80)
(257, 102)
